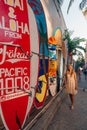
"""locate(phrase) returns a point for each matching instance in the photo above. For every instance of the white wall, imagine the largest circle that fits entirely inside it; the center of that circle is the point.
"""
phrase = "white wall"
(52, 17)
(86, 56)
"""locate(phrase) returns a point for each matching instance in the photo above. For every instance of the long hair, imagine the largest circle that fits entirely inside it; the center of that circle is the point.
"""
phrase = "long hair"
(69, 69)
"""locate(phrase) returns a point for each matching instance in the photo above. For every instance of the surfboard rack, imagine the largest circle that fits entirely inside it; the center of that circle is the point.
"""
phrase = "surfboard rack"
(33, 87)
(40, 55)
(26, 91)
(29, 93)
(19, 46)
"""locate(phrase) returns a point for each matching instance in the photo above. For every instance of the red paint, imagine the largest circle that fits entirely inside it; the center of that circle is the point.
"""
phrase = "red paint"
(14, 65)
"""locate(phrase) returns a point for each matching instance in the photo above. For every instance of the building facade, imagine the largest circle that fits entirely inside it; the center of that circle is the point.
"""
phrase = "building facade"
(83, 6)
(86, 56)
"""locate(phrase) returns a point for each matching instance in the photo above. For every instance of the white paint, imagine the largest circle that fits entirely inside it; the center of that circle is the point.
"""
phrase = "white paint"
(34, 64)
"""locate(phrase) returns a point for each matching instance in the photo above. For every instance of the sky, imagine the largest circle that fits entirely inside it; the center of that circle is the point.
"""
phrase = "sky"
(74, 19)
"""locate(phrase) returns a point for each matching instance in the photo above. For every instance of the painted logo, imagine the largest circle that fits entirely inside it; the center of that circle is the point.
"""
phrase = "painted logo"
(12, 55)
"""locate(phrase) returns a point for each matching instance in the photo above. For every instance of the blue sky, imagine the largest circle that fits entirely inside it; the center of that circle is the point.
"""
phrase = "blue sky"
(75, 19)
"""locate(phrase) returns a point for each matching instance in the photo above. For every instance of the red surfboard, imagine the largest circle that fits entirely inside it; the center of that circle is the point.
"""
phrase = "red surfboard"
(18, 65)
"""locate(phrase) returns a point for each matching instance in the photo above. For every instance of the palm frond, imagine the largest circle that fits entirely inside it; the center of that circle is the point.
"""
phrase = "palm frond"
(70, 3)
(77, 39)
(81, 48)
(82, 4)
(66, 34)
(78, 53)
(60, 2)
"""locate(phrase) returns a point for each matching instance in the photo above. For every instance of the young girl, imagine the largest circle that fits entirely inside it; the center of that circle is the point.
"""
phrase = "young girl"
(71, 84)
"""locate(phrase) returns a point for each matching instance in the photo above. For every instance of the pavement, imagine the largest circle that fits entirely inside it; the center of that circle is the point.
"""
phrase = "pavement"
(66, 119)
(43, 119)
(82, 83)
(59, 116)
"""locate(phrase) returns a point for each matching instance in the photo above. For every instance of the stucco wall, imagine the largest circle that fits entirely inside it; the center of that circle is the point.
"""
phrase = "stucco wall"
(53, 18)
(86, 55)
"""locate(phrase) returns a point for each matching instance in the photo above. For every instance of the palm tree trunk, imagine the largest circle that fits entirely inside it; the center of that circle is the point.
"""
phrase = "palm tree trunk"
(70, 58)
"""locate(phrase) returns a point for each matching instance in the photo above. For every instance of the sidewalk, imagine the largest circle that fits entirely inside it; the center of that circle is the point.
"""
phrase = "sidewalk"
(60, 117)
(42, 121)
(82, 83)
(66, 119)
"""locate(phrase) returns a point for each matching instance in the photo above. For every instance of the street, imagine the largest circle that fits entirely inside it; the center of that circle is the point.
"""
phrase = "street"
(66, 119)
(82, 83)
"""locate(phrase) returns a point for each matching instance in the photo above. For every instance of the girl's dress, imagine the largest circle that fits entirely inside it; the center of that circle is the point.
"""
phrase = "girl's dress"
(70, 85)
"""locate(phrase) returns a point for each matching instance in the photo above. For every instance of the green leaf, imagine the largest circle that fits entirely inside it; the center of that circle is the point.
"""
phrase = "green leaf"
(70, 3)
(60, 2)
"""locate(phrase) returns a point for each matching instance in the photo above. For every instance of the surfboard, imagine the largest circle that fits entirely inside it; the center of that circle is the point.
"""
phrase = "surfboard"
(58, 36)
(52, 68)
(52, 85)
(52, 79)
(18, 65)
(52, 51)
(42, 29)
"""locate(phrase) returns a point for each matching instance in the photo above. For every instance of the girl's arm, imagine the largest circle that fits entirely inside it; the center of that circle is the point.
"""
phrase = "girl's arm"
(76, 82)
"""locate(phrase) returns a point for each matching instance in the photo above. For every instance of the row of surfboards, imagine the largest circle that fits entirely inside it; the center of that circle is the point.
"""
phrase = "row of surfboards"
(24, 61)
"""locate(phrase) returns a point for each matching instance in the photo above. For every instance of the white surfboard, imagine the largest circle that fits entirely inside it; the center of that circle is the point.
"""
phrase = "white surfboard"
(52, 81)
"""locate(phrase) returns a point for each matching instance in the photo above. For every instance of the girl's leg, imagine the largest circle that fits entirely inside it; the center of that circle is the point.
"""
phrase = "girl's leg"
(72, 100)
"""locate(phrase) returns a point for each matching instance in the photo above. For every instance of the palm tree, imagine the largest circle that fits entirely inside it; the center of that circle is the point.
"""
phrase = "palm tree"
(70, 3)
(60, 2)
(73, 45)
(79, 63)
(81, 5)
